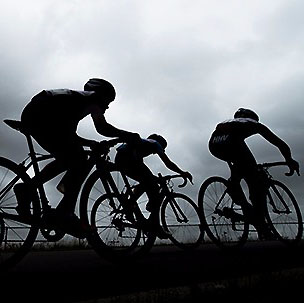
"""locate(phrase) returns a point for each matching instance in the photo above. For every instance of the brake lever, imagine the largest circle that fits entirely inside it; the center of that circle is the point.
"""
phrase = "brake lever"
(291, 172)
(184, 183)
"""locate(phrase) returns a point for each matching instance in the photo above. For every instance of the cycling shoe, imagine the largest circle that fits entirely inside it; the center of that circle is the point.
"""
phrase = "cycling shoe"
(70, 224)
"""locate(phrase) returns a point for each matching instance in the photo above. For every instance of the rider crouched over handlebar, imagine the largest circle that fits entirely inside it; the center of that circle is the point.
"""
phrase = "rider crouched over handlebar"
(227, 143)
(130, 160)
(51, 118)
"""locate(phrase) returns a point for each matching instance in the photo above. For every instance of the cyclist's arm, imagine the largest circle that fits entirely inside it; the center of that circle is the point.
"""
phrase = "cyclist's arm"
(272, 138)
(108, 130)
(172, 166)
(281, 145)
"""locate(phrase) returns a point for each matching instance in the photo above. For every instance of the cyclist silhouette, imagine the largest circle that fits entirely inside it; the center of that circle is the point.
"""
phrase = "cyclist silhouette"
(130, 159)
(51, 118)
(227, 143)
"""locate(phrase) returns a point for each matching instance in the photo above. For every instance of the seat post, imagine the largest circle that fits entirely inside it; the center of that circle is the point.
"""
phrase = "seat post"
(32, 154)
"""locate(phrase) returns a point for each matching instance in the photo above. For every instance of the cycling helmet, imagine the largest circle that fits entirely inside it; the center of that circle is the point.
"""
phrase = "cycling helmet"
(102, 87)
(246, 113)
(160, 139)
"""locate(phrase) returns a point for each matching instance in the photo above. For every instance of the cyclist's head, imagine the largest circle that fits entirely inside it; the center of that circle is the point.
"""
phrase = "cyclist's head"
(246, 113)
(160, 139)
(101, 87)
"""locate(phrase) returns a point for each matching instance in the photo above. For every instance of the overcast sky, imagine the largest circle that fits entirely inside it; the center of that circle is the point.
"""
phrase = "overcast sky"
(179, 67)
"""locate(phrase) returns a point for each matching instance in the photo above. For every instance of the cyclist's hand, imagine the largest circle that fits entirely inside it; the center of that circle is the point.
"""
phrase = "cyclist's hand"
(101, 147)
(93, 144)
(293, 167)
(187, 176)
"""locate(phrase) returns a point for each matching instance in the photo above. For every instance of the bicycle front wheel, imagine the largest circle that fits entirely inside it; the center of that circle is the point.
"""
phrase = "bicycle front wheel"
(283, 214)
(117, 237)
(17, 236)
(220, 215)
(180, 216)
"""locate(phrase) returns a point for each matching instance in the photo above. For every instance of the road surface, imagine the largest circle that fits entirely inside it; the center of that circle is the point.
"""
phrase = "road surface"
(263, 269)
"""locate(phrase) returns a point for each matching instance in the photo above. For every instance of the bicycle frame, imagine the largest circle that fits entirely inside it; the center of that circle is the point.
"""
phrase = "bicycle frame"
(33, 159)
(105, 166)
(25, 165)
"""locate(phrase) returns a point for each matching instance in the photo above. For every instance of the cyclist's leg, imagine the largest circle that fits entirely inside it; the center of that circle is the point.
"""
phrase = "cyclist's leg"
(72, 158)
(151, 187)
(243, 166)
(257, 194)
(24, 191)
(69, 156)
(137, 170)
(236, 190)
(236, 155)
(257, 191)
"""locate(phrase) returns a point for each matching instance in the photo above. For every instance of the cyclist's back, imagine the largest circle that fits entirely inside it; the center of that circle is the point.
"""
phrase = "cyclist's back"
(227, 142)
(143, 148)
(59, 105)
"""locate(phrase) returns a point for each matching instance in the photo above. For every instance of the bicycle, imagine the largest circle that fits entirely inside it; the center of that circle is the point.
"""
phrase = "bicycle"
(226, 222)
(18, 234)
(118, 213)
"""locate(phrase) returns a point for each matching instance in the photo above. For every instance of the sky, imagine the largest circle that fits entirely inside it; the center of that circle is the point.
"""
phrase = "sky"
(179, 67)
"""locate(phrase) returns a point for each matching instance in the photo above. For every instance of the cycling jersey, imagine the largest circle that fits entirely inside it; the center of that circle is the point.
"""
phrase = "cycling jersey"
(235, 131)
(145, 148)
(227, 142)
(57, 107)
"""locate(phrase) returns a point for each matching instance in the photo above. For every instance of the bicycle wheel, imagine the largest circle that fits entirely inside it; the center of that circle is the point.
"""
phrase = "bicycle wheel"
(221, 217)
(117, 237)
(16, 235)
(180, 216)
(283, 213)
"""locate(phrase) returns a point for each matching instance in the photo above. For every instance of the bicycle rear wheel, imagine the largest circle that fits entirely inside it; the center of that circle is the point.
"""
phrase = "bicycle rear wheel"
(220, 215)
(117, 238)
(17, 235)
(283, 214)
(180, 216)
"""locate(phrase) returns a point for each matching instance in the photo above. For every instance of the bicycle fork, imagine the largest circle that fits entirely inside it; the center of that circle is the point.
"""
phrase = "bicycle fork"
(286, 209)
(179, 214)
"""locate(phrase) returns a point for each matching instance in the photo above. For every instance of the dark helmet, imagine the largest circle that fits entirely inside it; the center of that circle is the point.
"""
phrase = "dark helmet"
(160, 139)
(246, 113)
(101, 86)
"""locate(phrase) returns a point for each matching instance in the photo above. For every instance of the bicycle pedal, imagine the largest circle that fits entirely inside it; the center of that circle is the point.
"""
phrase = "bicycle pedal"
(117, 222)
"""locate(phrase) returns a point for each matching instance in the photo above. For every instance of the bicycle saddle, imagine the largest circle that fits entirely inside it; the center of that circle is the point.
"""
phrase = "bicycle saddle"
(15, 124)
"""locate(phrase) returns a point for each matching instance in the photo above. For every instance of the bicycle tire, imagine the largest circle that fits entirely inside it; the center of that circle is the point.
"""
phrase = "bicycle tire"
(17, 237)
(213, 201)
(180, 216)
(108, 241)
(286, 225)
